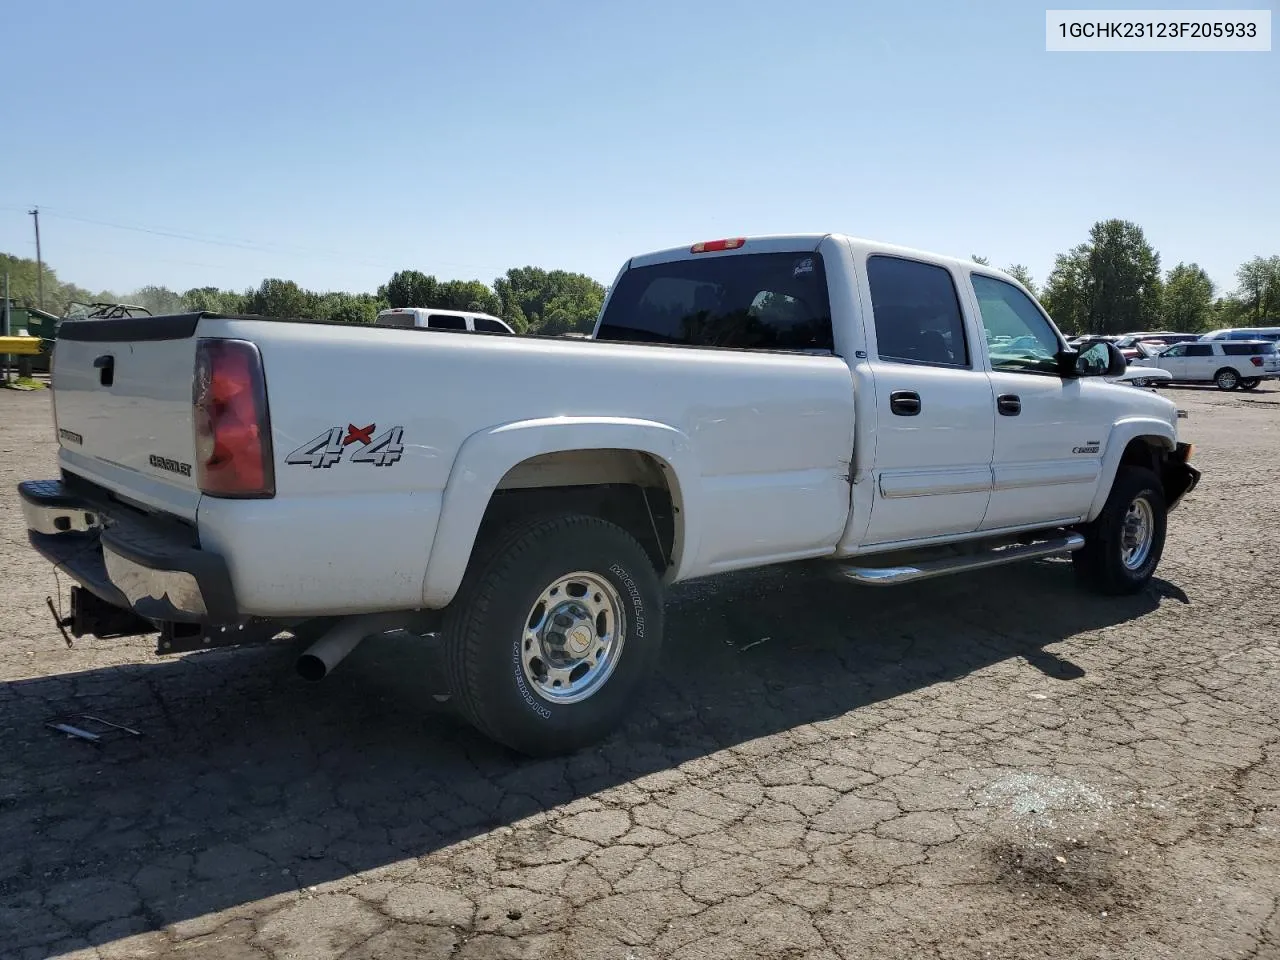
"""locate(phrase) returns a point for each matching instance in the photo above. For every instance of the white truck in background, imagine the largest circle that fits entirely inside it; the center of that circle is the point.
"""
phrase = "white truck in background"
(742, 402)
(434, 318)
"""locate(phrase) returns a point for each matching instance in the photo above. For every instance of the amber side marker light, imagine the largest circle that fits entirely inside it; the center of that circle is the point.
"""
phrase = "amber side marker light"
(711, 246)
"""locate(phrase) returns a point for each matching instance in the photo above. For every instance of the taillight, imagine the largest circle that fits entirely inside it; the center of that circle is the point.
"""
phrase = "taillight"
(232, 428)
(1256, 361)
(712, 246)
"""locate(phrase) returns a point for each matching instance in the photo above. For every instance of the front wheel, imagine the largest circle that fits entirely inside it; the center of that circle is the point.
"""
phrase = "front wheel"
(1250, 383)
(557, 624)
(1124, 544)
(1226, 379)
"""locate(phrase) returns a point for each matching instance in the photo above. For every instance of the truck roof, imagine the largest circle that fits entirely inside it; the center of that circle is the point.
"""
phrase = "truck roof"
(784, 242)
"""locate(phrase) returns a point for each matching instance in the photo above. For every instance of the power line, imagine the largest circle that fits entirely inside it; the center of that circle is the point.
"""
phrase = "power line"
(250, 245)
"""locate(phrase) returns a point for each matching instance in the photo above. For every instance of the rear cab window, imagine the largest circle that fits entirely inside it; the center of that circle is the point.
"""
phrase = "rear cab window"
(742, 301)
(396, 319)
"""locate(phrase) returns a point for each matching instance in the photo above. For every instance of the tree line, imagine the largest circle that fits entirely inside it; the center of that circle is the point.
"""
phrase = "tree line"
(1111, 283)
(530, 299)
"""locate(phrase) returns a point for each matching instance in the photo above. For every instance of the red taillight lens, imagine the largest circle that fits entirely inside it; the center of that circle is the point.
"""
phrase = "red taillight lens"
(232, 428)
(1256, 361)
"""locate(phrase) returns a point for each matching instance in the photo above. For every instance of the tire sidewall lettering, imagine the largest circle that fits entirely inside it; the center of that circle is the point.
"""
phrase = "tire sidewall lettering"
(540, 709)
(633, 591)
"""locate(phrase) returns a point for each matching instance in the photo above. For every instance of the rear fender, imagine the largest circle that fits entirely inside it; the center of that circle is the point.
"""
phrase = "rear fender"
(487, 456)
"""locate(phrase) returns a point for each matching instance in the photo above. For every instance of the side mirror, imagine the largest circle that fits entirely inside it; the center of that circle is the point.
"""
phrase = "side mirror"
(1066, 360)
(1118, 364)
(1096, 358)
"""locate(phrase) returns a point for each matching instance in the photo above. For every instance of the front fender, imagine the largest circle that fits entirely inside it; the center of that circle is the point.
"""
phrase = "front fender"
(487, 456)
(1122, 434)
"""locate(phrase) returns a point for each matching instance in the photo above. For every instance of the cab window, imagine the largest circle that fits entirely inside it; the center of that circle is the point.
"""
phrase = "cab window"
(917, 313)
(443, 321)
(1019, 338)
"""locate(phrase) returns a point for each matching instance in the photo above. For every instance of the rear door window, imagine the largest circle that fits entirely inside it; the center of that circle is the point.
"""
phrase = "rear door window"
(917, 312)
(1199, 350)
(1248, 349)
(442, 321)
(485, 325)
(756, 301)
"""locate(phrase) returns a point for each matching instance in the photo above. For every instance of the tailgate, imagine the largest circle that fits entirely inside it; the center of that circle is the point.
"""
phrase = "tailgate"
(122, 404)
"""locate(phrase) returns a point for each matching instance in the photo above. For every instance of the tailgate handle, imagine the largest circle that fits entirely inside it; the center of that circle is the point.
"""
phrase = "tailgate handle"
(106, 367)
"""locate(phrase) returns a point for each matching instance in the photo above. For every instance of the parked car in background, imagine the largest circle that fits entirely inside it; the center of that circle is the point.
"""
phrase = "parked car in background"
(1167, 339)
(1139, 376)
(1244, 333)
(430, 318)
(1132, 344)
(1231, 364)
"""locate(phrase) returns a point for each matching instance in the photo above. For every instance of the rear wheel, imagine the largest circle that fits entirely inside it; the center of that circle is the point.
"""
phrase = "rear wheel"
(556, 626)
(1226, 379)
(1250, 383)
(1124, 544)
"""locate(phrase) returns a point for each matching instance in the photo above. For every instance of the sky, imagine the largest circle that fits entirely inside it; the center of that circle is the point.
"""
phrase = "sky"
(333, 143)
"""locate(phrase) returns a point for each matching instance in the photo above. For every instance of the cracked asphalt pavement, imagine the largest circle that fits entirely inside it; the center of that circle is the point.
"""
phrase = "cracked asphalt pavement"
(990, 765)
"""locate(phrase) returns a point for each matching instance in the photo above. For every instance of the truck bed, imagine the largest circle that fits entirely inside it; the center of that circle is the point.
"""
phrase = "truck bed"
(764, 435)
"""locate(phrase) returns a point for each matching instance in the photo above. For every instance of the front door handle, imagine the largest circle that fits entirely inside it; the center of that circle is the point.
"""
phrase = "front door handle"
(1009, 405)
(905, 403)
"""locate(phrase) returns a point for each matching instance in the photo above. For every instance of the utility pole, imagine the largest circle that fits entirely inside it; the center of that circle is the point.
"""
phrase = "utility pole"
(7, 359)
(39, 262)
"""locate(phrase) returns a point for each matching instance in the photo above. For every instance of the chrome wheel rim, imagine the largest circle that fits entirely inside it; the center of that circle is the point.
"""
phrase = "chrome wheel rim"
(573, 637)
(1138, 533)
(1227, 379)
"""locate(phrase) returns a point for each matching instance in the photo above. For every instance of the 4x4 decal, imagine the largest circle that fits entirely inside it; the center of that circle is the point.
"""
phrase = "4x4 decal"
(324, 451)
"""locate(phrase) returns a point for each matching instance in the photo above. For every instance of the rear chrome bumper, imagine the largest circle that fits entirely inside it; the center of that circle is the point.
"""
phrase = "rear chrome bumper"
(153, 566)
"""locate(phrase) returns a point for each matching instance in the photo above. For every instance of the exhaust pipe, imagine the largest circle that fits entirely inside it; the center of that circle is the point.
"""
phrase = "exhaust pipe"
(319, 659)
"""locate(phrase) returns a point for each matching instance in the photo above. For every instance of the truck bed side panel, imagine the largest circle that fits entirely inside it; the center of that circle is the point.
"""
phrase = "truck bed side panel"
(771, 437)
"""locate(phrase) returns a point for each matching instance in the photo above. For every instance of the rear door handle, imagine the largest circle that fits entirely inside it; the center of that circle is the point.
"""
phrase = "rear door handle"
(905, 403)
(1009, 405)
(106, 367)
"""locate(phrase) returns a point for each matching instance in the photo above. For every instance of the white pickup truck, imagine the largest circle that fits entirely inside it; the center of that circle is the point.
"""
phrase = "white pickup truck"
(524, 500)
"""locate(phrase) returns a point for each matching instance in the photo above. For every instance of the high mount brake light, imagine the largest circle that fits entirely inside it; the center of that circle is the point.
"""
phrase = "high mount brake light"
(711, 246)
(232, 427)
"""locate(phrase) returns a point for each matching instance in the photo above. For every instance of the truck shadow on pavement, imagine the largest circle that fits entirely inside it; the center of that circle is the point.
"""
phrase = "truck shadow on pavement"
(248, 783)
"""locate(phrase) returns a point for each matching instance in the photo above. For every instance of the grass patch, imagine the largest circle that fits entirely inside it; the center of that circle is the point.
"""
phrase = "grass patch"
(27, 383)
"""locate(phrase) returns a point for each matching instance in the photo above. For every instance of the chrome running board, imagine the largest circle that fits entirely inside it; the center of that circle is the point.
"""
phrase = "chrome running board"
(927, 569)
